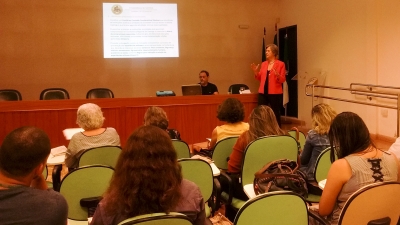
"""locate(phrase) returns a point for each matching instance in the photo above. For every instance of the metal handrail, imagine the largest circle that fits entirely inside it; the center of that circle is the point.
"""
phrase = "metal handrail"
(369, 92)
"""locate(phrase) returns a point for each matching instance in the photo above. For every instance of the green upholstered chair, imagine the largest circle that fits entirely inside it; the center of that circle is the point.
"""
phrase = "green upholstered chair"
(45, 174)
(105, 155)
(222, 151)
(302, 137)
(200, 173)
(257, 154)
(373, 204)
(279, 207)
(158, 219)
(322, 166)
(181, 148)
(84, 182)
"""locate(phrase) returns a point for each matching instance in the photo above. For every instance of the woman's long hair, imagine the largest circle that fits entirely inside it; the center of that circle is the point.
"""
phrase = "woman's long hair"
(322, 116)
(348, 134)
(262, 122)
(147, 177)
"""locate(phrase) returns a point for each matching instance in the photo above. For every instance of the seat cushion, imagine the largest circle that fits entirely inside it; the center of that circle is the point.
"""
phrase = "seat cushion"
(236, 203)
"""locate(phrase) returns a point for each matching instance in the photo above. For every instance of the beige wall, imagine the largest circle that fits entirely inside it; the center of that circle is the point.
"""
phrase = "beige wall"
(346, 41)
(59, 44)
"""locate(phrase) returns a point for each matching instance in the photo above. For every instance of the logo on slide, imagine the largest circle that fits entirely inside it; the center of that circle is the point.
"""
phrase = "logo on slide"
(116, 9)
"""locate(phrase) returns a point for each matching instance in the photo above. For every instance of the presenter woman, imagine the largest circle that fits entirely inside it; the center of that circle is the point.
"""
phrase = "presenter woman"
(271, 76)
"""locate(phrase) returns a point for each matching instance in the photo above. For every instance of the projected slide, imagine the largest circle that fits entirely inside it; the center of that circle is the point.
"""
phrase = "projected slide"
(140, 30)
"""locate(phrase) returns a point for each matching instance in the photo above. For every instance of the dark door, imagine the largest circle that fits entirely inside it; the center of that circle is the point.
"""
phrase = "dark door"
(288, 54)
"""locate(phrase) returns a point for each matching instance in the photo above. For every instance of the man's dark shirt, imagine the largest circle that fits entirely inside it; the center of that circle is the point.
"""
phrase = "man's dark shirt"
(209, 89)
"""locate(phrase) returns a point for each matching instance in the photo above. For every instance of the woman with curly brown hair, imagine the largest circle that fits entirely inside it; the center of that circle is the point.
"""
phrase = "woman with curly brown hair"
(230, 111)
(148, 179)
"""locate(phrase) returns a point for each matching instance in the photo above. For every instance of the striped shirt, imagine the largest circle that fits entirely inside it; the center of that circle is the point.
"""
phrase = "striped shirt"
(364, 171)
(80, 142)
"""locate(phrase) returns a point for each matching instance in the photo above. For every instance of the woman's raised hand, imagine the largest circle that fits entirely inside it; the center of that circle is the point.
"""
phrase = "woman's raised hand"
(254, 67)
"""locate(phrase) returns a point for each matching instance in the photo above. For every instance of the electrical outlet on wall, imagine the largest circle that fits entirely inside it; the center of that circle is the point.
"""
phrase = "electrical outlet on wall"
(384, 113)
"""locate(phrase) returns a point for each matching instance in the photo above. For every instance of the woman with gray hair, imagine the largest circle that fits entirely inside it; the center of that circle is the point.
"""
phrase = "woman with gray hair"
(90, 119)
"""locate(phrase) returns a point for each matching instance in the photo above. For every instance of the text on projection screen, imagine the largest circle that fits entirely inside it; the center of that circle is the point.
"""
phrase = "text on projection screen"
(140, 30)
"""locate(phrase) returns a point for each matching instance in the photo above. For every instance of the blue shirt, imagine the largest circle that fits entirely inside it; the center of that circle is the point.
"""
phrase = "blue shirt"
(315, 144)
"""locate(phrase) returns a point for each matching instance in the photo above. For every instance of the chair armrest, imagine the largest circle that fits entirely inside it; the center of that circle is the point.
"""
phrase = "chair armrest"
(217, 194)
(315, 215)
(91, 204)
(56, 177)
(225, 176)
(382, 221)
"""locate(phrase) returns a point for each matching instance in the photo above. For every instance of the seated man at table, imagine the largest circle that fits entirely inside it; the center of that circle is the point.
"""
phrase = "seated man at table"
(24, 197)
(207, 88)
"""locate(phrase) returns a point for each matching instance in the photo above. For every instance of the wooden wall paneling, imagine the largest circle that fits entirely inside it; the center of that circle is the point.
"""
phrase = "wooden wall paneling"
(193, 116)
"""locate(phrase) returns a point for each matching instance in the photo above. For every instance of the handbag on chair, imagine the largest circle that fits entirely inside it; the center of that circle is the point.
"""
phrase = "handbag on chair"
(280, 175)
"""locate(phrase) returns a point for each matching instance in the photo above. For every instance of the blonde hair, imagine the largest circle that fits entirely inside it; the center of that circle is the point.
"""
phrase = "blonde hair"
(156, 116)
(262, 122)
(322, 116)
(89, 116)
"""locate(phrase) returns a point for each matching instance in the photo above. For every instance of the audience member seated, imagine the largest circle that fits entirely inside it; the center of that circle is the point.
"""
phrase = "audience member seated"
(262, 123)
(148, 179)
(90, 118)
(359, 163)
(24, 197)
(317, 138)
(207, 88)
(156, 116)
(230, 111)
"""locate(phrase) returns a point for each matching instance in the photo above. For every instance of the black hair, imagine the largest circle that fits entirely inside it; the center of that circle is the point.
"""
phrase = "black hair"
(348, 134)
(205, 71)
(22, 150)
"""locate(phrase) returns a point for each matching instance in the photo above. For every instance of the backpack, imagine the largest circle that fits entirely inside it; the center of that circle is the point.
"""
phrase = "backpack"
(280, 175)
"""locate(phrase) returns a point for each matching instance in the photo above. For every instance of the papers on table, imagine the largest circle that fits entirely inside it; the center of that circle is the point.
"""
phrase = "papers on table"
(249, 190)
(245, 91)
(204, 158)
(321, 184)
(215, 170)
(57, 155)
(69, 132)
(60, 150)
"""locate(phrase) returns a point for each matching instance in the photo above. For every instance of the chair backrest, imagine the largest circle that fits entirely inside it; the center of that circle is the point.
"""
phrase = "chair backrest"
(105, 155)
(222, 151)
(374, 201)
(234, 88)
(279, 207)
(84, 182)
(302, 137)
(264, 150)
(54, 93)
(100, 93)
(158, 219)
(322, 165)
(45, 172)
(10, 95)
(181, 148)
(200, 173)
